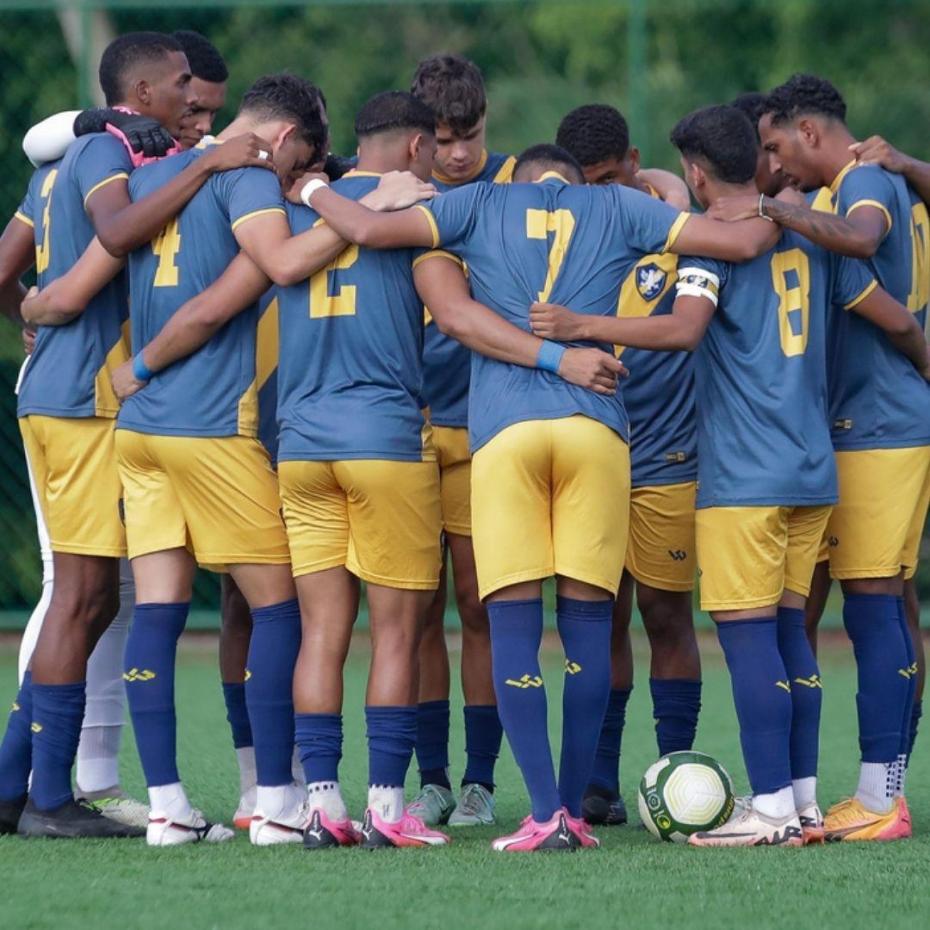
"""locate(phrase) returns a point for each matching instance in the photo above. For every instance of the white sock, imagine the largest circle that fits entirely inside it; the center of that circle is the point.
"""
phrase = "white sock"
(805, 792)
(98, 759)
(777, 805)
(247, 774)
(900, 775)
(386, 802)
(326, 796)
(278, 802)
(171, 800)
(877, 782)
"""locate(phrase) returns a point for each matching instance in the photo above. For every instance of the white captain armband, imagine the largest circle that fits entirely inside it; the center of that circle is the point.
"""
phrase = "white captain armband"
(698, 282)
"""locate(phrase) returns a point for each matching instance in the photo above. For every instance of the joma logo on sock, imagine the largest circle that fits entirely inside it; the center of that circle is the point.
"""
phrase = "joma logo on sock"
(571, 668)
(135, 674)
(908, 672)
(36, 727)
(525, 681)
(812, 682)
(784, 685)
(248, 675)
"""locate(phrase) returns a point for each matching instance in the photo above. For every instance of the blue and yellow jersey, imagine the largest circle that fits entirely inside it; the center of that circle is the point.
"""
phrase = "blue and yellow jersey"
(350, 373)
(877, 398)
(214, 391)
(69, 372)
(659, 393)
(555, 241)
(763, 434)
(446, 362)
(266, 372)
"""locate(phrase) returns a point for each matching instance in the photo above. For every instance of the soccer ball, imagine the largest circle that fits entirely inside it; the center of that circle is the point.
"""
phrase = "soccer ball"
(682, 793)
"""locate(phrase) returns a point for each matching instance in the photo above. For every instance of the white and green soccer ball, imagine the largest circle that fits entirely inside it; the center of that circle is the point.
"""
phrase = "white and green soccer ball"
(682, 793)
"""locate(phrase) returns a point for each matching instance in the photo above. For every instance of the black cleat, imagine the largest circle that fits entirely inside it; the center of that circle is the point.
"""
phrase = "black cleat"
(10, 812)
(316, 836)
(562, 840)
(372, 837)
(73, 820)
(602, 806)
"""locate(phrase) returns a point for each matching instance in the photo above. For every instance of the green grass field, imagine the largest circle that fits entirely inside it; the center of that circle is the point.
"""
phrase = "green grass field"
(632, 881)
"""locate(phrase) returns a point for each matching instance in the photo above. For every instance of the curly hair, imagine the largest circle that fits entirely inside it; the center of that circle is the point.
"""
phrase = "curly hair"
(594, 133)
(805, 94)
(753, 104)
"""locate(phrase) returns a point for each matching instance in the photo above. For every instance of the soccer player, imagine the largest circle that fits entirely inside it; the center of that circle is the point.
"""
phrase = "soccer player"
(550, 472)
(209, 75)
(659, 398)
(880, 425)
(762, 397)
(767, 181)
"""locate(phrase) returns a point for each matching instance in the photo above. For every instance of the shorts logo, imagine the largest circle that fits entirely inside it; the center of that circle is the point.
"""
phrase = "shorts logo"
(36, 727)
(650, 281)
(833, 541)
(812, 682)
(843, 423)
(679, 555)
(525, 681)
(135, 674)
(784, 685)
(121, 507)
(571, 668)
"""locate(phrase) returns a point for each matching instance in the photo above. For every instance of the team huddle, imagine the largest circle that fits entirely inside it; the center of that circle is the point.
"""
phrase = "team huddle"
(307, 372)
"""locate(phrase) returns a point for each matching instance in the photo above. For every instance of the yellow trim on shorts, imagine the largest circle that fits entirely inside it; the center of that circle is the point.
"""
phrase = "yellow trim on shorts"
(675, 231)
(432, 222)
(104, 182)
(254, 213)
(24, 219)
(865, 293)
(878, 206)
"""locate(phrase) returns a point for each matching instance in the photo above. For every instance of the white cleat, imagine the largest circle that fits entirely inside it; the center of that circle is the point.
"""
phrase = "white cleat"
(162, 830)
(285, 828)
(242, 819)
(748, 827)
(811, 818)
(125, 810)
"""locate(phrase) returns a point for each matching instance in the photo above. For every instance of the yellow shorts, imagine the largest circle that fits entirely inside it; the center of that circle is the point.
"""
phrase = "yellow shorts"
(216, 496)
(454, 478)
(661, 547)
(749, 556)
(875, 529)
(551, 497)
(73, 461)
(380, 519)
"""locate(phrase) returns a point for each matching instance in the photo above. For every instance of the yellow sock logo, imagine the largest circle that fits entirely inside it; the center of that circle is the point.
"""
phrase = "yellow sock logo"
(36, 727)
(784, 685)
(571, 668)
(908, 672)
(248, 675)
(811, 682)
(14, 708)
(135, 674)
(525, 681)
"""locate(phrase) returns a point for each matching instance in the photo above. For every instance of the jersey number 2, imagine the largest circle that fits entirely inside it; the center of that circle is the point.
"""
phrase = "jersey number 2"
(342, 302)
(791, 278)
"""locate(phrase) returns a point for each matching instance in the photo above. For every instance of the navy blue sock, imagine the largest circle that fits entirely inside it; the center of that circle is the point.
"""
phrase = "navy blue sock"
(676, 703)
(483, 734)
(57, 713)
(606, 771)
(916, 713)
(16, 748)
(806, 691)
(236, 713)
(904, 750)
(151, 650)
(762, 695)
(516, 634)
(392, 732)
(319, 742)
(871, 621)
(433, 743)
(269, 690)
(584, 628)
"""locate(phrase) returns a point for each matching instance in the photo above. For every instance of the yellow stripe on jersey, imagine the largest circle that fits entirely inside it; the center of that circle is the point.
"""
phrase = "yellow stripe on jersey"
(24, 219)
(878, 206)
(838, 180)
(247, 424)
(432, 222)
(254, 213)
(865, 293)
(104, 182)
(438, 253)
(106, 403)
(505, 173)
(267, 345)
(675, 231)
(824, 201)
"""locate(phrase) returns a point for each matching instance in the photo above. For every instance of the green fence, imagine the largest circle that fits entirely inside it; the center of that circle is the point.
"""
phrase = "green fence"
(655, 59)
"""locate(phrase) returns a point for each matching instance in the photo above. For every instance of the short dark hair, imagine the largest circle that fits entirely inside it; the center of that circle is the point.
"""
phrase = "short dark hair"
(594, 133)
(286, 96)
(453, 88)
(202, 55)
(753, 104)
(126, 51)
(723, 138)
(551, 157)
(805, 93)
(393, 110)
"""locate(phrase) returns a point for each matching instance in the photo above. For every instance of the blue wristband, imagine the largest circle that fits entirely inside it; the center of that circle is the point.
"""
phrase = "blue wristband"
(140, 370)
(550, 355)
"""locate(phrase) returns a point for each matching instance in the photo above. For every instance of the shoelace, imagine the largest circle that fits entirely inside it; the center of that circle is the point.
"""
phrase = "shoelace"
(471, 801)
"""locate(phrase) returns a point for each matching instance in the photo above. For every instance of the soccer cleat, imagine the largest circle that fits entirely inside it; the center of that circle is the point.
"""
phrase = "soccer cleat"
(242, 819)
(600, 805)
(475, 807)
(582, 829)
(747, 827)
(72, 820)
(10, 812)
(408, 831)
(811, 824)
(286, 828)
(555, 835)
(850, 821)
(163, 831)
(323, 833)
(433, 805)
(124, 810)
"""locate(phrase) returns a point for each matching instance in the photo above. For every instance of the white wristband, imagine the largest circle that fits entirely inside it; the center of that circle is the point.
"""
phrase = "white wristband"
(306, 192)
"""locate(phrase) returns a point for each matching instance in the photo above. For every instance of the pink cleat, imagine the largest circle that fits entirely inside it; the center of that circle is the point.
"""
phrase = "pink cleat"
(582, 829)
(323, 833)
(408, 831)
(555, 834)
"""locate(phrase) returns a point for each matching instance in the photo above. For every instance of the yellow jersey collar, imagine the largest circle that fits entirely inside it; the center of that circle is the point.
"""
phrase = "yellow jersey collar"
(551, 176)
(439, 176)
(838, 180)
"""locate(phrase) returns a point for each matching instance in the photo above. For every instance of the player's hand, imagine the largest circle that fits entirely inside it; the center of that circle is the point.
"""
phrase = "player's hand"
(592, 369)
(245, 151)
(398, 190)
(29, 340)
(296, 185)
(28, 308)
(791, 195)
(124, 382)
(732, 209)
(876, 151)
(552, 321)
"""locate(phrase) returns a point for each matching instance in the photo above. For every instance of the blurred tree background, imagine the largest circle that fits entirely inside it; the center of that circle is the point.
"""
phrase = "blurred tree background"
(654, 59)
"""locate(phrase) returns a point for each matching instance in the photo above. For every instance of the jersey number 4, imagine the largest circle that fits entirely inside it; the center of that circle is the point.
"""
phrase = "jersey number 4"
(166, 246)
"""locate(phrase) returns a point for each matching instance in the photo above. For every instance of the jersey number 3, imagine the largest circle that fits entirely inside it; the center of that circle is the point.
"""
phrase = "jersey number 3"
(791, 278)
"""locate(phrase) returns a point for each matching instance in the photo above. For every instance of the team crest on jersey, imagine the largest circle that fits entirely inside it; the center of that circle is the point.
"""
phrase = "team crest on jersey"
(650, 280)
